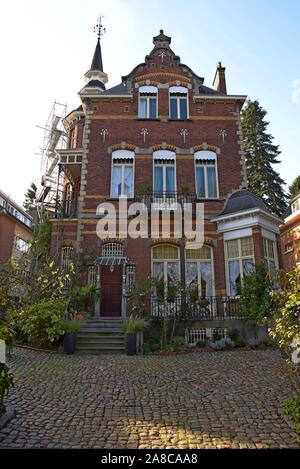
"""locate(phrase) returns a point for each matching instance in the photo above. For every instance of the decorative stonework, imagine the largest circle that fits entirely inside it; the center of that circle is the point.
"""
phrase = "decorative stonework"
(104, 133)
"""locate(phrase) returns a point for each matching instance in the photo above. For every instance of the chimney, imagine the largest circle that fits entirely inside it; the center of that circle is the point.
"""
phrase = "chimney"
(219, 82)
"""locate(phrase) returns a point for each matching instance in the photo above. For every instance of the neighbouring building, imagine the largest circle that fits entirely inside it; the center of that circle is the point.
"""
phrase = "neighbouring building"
(16, 229)
(290, 235)
(161, 136)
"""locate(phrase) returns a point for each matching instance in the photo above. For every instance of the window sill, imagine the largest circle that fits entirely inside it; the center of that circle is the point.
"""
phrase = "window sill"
(147, 119)
(180, 120)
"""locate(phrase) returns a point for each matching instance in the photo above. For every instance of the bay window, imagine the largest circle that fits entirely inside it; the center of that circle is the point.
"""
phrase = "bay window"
(122, 173)
(240, 262)
(270, 256)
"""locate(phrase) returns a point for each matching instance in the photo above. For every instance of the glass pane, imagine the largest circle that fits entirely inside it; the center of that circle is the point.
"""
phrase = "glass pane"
(202, 253)
(128, 181)
(265, 247)
(143, 108)
(247, 246)
(248, 266)
(191, 272)
(234, 276)
(170, 179)
(152, 108)
(211, 181)
(173, 108)
(271, 249)
(173, 272)
(165, 251)
(232, 249)
(158, 179)
(158, 269)
(116, 181)
(206, 279)
(272, 265)
(200, 182)
(183, 108)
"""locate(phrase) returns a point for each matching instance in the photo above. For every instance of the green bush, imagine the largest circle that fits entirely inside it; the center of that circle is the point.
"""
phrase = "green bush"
(71, 325)
(134, 325)
(292, 409)
(155, 347)
(6, 382)
(40, 323)
(178, 342)
(7, 334)
(147, 348)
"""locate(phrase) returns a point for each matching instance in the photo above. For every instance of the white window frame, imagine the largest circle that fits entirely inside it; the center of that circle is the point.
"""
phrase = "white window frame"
(147, 98)
(240, 258)
(215, 165)
(165, 262)
(112, 249)
(122, 158)
(92, 275)
(164, 165)
(179, 93)
(266, 253)
(199, 261)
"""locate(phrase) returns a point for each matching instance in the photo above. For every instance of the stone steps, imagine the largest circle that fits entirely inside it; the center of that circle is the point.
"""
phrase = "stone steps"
(99, 336)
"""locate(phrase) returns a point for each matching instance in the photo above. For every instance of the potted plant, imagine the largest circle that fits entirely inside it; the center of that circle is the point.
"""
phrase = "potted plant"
(132, 328)
(71, 327)
(145, 191)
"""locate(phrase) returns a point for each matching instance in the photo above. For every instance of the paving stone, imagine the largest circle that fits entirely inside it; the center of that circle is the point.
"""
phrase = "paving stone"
(204, 400)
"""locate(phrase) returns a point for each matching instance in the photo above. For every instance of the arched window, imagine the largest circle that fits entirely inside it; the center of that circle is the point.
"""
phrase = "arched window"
(112, 250)
(165, 265)
(148, 102)
(206, 174)
(199, 271)
(122, 173)
(178, 102)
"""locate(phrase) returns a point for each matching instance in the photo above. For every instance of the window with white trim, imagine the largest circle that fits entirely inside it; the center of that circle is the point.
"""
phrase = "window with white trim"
(122, 173)
(199, 271)
(165, 265)
(148, 102)
(112, 250)
(92, 275)
(164, 181)
(240, 261)
(206, 175)
(21, 244)
(67, 253)
(270, 256)
(178, 102)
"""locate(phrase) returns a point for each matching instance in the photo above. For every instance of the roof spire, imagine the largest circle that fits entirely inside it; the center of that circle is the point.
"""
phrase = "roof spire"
(97, 59)
(95, 76)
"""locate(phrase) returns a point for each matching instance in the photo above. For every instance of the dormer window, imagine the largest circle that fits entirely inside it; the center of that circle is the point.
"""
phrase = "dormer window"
(148, 102)
(178, 102)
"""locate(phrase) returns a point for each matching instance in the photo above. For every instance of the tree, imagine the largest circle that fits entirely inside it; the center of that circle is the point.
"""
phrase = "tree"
(261, 155)
(30, 197)
(294, 188)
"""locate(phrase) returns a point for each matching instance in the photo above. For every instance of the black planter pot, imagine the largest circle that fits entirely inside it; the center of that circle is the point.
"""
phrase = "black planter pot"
(130, 343)
(70, 342)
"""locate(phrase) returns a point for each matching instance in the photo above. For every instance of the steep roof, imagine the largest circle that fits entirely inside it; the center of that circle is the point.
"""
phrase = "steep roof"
(118, 89)
(97, 59)
(244, 200)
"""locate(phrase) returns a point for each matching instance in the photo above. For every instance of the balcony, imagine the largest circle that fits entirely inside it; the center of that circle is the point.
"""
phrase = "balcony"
(66, 210)
(70, 156)
(166, 200)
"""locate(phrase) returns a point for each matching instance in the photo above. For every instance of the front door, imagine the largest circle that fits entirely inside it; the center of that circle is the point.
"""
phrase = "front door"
(111, 291)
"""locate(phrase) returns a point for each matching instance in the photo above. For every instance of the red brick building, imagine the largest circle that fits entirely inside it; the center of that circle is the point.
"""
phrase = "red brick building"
(290, 235)
(16, 229)
(161, 136)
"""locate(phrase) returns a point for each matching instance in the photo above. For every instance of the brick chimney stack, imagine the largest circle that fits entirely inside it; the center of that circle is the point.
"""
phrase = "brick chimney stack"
(219, 82)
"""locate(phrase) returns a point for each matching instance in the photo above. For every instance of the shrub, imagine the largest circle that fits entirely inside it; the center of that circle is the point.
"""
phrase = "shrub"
(201, 343)
(134, 325)
(240, 343)
(155, 347)
(71, 325)
(41, 323)
(178, 342)
(6, 382)
(223, 344)
(147, 348)
(292, 409)
(7, 334)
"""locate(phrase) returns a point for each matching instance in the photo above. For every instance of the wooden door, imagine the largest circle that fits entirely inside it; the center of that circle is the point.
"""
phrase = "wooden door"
(111, 291)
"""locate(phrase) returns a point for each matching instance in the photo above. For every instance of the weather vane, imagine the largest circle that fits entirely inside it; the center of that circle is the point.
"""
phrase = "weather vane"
(99, 28)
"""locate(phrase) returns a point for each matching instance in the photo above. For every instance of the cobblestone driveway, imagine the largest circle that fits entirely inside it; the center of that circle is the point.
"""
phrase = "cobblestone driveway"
(204, 400)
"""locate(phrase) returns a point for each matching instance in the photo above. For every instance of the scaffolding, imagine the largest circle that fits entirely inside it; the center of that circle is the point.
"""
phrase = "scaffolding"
(50, 184)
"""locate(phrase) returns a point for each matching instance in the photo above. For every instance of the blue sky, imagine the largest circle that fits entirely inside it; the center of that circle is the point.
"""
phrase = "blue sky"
(47, 46)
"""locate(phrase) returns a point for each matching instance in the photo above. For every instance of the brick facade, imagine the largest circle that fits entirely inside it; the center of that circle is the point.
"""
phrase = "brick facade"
(213, 123)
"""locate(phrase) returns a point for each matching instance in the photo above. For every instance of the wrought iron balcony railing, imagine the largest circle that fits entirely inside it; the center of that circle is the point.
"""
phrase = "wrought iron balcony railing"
(165, 200)
(66, 209)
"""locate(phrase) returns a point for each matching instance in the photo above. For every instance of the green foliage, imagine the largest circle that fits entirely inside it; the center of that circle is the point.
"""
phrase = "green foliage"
(80, 296)
(294, 188)
(222, 344)
(201, 343)
(71, 325)
(30, 197)
(134, 325)
(292, 409)
(6, 382)
(7, 334)
(147, 348)
(261, 154)
(286, 328)
(178, 342)
(256, 295)
(40, 323)
(139, 297)
(145, 188)
(185, 189)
